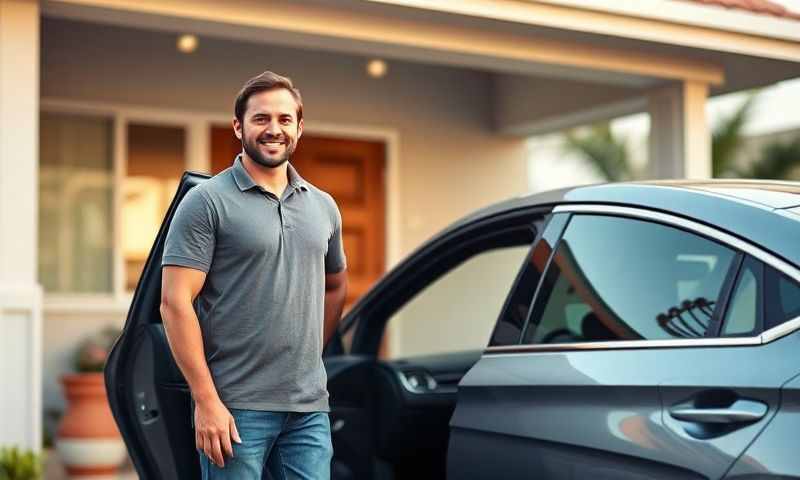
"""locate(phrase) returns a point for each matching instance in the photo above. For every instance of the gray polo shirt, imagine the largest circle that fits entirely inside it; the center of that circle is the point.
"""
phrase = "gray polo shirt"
(262, 305)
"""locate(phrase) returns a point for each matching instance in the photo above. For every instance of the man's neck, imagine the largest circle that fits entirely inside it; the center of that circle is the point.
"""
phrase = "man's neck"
(273, 180)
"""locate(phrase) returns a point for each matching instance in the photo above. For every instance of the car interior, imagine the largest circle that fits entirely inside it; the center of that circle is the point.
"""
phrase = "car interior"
(390, 416)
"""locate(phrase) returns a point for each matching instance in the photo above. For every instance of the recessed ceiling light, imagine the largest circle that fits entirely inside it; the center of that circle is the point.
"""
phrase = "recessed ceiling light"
(187, 43)
(377, 68)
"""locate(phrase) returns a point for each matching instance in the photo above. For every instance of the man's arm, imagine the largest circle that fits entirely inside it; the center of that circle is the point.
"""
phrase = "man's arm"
(335, 292)
(214, 425)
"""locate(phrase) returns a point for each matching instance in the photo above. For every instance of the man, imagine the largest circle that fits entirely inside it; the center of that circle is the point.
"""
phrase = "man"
(253, 268)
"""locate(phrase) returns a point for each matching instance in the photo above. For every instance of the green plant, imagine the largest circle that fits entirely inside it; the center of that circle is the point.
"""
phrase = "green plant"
(16, 464)
(778, 161)
(608, 155)
(727, 138)
(603, 150)
(93, 351)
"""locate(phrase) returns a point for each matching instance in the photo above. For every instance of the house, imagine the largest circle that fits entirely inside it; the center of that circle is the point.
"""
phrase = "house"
(100, 113)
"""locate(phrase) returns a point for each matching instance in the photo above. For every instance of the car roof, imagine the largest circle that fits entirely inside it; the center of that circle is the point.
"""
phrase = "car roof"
(765, 213)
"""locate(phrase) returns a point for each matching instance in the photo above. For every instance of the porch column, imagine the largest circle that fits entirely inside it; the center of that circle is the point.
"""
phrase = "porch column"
(20, 293)
(680, 138)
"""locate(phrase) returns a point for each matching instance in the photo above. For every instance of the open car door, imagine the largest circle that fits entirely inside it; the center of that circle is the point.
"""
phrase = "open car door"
(149, 397)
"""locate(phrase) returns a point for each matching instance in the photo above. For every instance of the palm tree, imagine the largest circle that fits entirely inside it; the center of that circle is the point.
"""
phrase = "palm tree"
(777, 160)
(605, 152)
(727, 138)
(609, 156)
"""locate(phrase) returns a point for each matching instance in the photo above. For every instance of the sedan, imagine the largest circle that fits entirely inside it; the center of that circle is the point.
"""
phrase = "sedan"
(621, 331)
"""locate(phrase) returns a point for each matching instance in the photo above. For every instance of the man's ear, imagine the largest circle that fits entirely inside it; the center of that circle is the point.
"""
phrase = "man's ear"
(237, 128)
(300, 129)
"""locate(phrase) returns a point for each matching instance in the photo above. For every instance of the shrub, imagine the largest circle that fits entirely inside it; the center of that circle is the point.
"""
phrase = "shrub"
(16, 464)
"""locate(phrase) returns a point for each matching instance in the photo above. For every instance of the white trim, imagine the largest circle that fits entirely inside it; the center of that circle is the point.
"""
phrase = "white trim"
(197, 125)
(764, 338)
(198, 139)
(686, 13)
(120, 163)
(527, 349)
(60, 304)
(661, 21)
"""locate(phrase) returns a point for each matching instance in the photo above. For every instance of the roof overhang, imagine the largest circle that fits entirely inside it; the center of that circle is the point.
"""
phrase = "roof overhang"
(602, 57)
(472, 33)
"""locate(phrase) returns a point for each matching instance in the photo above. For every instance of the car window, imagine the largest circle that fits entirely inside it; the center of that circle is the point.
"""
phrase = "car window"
(614, 278)
(458, 310)
(782, 298)
(744, 309)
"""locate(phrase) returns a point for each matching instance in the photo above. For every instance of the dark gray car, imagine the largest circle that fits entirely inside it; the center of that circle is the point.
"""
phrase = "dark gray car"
(647, 330)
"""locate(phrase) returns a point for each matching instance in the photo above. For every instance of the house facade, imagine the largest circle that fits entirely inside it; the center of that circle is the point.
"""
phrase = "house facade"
(100, 113)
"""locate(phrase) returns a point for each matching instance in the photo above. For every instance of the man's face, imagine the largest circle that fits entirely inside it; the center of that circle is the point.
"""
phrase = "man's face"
(270, 131)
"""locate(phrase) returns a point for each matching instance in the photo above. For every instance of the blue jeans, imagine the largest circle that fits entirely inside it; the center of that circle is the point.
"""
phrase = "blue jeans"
(287, 445)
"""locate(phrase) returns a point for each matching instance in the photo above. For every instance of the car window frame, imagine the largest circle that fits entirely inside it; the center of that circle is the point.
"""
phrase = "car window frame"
(552, 229)
(369, 318)
(740, 247)
(760, 274)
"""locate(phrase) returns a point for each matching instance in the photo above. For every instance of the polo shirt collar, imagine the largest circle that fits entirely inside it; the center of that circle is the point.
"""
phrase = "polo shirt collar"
(245, 182)
(295, 180)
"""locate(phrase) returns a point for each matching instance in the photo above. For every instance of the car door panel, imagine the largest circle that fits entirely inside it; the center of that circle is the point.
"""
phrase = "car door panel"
(148, 395)
(773, 455)
(583, 405)
(577, 416)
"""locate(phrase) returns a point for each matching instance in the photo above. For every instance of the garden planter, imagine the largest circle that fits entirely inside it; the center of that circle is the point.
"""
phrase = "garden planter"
(88, 441)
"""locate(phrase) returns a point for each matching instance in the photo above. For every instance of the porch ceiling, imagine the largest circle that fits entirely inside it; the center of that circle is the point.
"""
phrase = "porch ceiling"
(596, 74)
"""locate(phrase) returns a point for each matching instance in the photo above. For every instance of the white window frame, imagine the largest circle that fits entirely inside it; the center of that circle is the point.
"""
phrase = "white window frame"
(197, 126)
(196, 154)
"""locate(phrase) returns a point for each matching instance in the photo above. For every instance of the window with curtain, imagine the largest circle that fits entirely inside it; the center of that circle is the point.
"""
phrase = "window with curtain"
(75, 203)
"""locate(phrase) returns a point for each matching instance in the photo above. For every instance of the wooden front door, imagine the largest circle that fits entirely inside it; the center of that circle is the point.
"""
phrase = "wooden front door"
(352, 171)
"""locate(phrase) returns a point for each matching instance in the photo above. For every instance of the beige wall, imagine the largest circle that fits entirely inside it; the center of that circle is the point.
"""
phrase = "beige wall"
(449, 160)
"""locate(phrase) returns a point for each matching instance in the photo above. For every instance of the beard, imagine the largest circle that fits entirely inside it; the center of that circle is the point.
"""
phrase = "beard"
(252, 150)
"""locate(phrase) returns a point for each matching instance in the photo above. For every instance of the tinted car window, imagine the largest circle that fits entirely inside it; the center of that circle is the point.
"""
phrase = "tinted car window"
(744, 310)
(508, 330)
(782, 298)
(615, 278)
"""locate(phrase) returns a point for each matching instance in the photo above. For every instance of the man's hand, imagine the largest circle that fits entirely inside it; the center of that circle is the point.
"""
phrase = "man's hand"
(214, 425)
(214, 428)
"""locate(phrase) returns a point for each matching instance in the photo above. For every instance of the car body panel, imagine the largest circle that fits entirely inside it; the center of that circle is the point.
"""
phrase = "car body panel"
(774, 453)
(618, 399)
(609, 411)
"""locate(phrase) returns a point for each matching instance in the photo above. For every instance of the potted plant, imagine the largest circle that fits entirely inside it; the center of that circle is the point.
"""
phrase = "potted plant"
(87, 439)
(16, 464)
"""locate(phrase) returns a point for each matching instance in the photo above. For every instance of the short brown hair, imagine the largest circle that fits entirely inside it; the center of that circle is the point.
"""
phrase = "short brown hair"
(263, 82)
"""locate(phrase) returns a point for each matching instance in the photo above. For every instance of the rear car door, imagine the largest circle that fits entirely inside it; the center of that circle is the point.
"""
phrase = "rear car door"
(148, 395)
(620, 372)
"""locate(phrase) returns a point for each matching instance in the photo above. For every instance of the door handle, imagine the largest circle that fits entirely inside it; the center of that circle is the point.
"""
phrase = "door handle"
(741, 411)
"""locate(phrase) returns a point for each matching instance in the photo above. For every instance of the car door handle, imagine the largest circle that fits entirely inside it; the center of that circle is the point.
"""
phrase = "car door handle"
(741, 411)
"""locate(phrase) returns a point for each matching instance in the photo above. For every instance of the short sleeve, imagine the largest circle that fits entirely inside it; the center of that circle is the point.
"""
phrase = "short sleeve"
(191, 236)
(334, 259)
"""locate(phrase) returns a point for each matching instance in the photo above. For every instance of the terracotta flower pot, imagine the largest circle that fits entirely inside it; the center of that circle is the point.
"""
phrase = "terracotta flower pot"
(88, 441)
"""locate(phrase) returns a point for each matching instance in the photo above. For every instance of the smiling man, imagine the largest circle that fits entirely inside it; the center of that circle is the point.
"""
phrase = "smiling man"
(253, 283)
